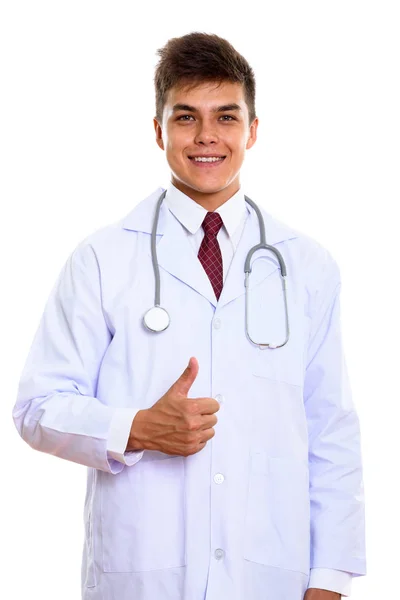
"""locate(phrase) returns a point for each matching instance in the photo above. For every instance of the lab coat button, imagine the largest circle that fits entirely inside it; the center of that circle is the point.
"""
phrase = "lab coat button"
(219, 478)
(220, 398)
(219, 553)
(217, 323)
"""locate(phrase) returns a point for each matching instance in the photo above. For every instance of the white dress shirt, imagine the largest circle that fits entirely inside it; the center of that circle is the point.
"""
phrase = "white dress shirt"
(191, 215)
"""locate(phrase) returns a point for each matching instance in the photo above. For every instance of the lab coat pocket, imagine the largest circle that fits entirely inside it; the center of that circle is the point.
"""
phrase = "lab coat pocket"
(143, 516)
(277, 527)
(287, 363)
(280, 364)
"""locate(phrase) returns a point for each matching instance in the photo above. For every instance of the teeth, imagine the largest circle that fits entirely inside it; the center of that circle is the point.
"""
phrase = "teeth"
(204, 159)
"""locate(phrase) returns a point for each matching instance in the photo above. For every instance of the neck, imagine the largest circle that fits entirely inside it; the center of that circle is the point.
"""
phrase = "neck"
(209, 201)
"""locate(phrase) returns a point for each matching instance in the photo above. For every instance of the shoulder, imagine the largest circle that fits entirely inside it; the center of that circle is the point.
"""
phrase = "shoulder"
(94, 245)
(311, 267)
(113, 239)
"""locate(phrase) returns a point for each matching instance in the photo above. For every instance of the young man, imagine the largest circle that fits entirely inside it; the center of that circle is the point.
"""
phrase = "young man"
(265, 501)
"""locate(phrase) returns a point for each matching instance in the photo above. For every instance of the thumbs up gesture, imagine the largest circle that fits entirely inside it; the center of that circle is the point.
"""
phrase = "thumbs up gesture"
(176, 424)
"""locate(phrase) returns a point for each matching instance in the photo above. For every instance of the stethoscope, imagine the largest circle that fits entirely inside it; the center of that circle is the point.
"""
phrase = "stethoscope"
(157, 318)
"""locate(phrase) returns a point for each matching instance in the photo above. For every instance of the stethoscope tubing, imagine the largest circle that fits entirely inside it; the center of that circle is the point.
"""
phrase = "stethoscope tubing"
(161, 312)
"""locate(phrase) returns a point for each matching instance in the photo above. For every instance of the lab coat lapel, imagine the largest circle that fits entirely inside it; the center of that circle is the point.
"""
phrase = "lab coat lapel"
(174, 251)
(176, 255)
(234, 282)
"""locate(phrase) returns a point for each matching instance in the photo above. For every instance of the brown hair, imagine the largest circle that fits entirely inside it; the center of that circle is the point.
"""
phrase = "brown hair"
(197, 58)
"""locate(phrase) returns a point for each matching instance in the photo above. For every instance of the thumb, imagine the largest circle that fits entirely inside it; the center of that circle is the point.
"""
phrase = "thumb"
(185, 381)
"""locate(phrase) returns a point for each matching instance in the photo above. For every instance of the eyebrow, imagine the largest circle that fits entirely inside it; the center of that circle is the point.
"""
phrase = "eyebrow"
(188, 108)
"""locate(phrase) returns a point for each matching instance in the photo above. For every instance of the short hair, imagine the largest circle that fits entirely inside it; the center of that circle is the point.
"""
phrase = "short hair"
(197, 58)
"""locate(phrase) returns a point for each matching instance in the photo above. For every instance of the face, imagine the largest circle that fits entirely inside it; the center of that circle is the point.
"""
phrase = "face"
(209, 120)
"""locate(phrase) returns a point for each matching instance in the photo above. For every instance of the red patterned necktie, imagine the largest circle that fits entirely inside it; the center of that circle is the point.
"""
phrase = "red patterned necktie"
(210, 253)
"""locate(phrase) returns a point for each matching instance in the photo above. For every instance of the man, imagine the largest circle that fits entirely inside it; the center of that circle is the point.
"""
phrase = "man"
(265, 501)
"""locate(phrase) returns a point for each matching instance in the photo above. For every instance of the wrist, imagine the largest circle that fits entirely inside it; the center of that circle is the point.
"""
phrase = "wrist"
(136, 439)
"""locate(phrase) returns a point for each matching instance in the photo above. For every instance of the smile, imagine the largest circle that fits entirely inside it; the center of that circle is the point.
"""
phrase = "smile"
(209, 161)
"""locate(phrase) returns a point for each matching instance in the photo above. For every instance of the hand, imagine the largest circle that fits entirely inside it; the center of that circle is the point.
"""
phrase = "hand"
(176, 424)
(316, 594)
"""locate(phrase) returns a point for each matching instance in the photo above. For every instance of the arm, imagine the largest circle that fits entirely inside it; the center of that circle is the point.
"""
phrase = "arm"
(338, 582)
(56, 409)
(335, 467)
(319, 594)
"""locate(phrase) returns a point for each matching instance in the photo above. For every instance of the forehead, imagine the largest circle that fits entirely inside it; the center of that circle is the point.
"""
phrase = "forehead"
(207, 95)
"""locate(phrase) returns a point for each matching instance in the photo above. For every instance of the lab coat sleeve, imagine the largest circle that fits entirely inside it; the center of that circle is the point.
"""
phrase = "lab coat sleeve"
(332, 580)
(57, 411)
(118, 437)
(335, 466)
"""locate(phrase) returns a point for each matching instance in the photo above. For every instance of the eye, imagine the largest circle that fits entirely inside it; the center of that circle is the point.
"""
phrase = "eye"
(223, 117)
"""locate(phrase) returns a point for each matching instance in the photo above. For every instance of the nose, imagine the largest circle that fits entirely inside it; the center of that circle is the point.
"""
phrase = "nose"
(206, 133)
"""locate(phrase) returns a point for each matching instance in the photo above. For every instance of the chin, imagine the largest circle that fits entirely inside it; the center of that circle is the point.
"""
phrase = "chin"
(207, 186)
(210, 189)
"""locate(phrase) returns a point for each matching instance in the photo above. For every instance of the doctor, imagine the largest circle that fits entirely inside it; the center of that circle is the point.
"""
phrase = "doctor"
(218, 468)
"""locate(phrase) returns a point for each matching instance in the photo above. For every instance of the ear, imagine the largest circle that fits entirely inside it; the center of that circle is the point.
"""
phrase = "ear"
(251, 140)
(158, 130)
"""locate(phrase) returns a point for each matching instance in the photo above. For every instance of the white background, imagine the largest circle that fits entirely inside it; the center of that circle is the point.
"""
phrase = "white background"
(78, 152)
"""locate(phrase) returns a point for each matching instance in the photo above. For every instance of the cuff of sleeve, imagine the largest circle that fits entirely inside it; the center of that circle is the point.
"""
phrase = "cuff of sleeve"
(332, 580)
(118, 436)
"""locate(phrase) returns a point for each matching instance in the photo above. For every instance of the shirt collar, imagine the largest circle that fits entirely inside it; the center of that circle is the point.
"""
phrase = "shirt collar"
(191, 214)
(141, 218)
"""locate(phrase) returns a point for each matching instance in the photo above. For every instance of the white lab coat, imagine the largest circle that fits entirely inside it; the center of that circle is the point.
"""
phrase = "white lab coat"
(278, 490)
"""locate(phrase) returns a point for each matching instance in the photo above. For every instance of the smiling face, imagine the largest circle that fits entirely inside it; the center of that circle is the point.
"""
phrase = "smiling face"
(209, 120)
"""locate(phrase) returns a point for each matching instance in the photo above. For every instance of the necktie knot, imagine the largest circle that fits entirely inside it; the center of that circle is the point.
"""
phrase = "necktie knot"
(212, 223)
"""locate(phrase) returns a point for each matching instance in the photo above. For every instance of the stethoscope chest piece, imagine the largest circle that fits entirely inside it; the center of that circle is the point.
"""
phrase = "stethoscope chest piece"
(156, 319)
